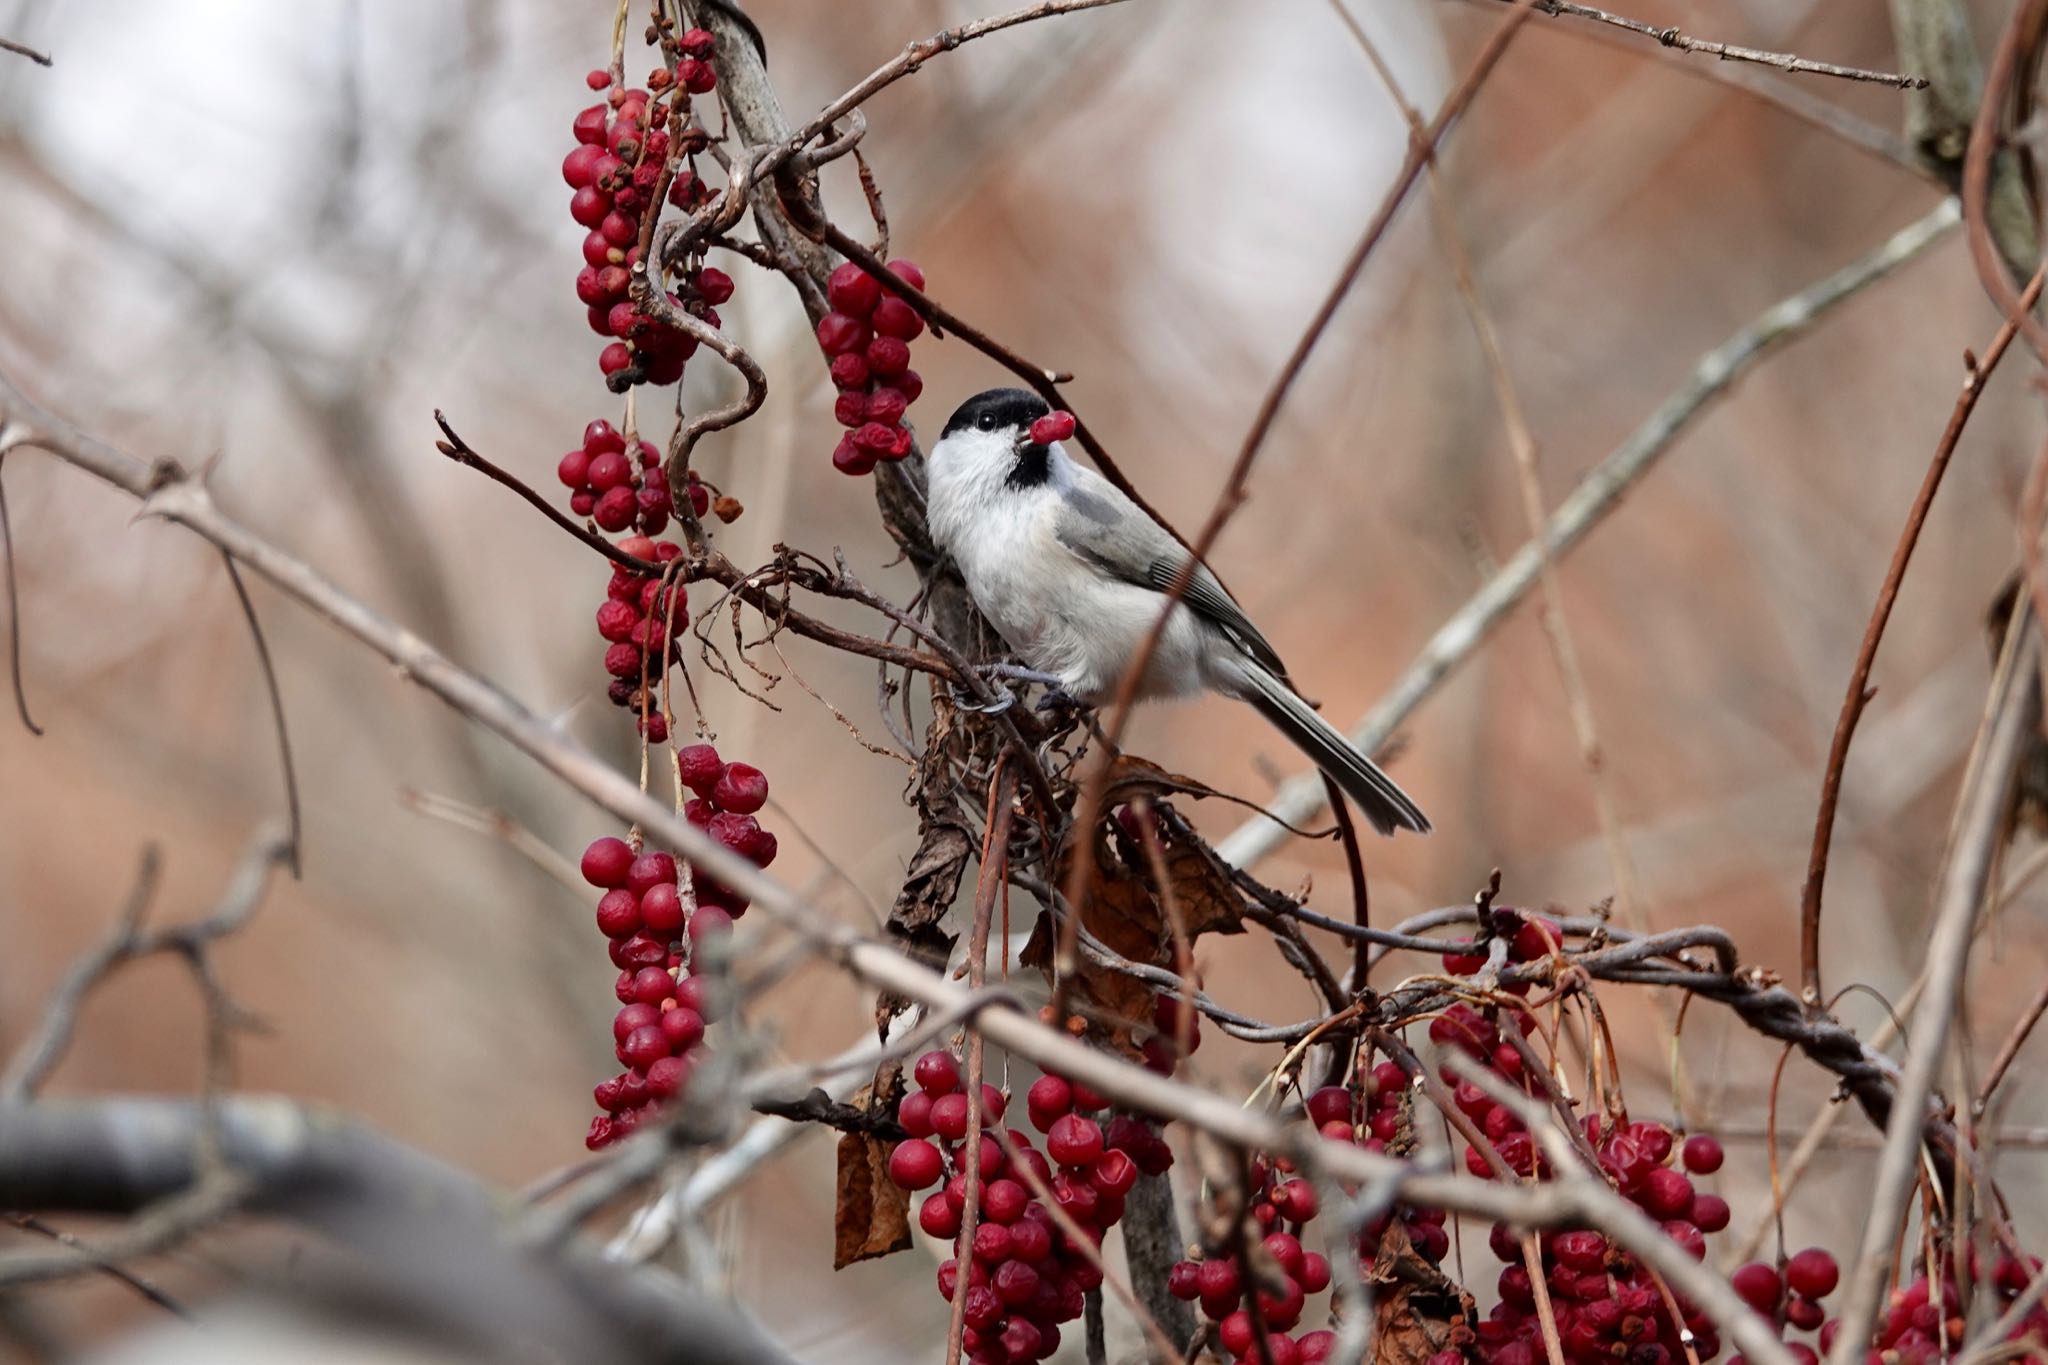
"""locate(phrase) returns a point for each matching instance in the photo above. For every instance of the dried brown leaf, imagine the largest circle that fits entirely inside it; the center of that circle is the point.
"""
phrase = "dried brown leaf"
(1417, 1310)
(870, 1212)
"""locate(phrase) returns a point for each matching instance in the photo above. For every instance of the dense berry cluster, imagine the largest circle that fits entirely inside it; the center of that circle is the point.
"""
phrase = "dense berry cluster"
(1914, 1329)
(661, 1020)
(1282, 1204)
(1609, 1306)
(866, 338)
(1024, 1277)
(616, 490)
(655, 920)
(624, 148)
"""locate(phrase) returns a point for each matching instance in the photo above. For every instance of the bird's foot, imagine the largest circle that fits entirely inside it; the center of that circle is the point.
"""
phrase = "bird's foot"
(1002, 700)
(1060, 701)
(1021, 674)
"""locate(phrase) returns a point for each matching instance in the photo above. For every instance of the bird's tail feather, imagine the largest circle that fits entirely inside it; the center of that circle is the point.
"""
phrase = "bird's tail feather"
(1385, 804)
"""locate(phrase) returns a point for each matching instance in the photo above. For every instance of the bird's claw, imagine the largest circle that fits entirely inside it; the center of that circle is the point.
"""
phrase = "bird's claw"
(1058, 699)
(1002, 701)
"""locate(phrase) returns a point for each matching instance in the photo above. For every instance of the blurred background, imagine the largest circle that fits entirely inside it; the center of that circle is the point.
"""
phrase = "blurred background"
(273, 239)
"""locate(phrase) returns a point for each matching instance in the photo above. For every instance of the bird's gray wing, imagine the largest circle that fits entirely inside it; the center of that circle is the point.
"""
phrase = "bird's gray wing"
(1098, 523)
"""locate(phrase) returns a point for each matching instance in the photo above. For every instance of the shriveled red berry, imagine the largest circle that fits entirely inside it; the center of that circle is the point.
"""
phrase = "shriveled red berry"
(916, 1164)
(714, 284)
(700, 768)
(849, 458)
(1114, 1173)
(887, 356)
(741, 788)
(607, 861)
(697, 77)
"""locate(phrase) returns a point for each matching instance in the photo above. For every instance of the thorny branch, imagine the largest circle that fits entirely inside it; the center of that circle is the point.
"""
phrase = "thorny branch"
(1729, 52)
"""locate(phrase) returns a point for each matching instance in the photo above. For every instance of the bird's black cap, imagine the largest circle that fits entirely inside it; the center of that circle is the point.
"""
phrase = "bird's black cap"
(996, 410)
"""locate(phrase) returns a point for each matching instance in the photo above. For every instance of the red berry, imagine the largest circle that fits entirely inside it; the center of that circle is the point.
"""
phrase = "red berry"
(1813, 1272)
(992, 1243)
(1004, 1201)
(697, 77)
(911, 384)
(1688, 1236)
(1014, 1282)
(914, 1112)
(665, 1077)
(895, 318)
(616, 509)
(1074, 1141)
(661, 907)
(698, 43)
(607, 862)
(598, 80)
(700, 768)
(589, 206)
(649, 870)
(1030, 1238)
(1331, 1104)
(1048, 1099)
(1702, 1154)
(839, 334)
(908, 272)
(1710, 1211)
(852, 291)
(1315, 1272)
(938, 1217)
(849, 458)
(652, 985)
(615, 620)
(1666, 1193)
(949, 1115)
(1313, 1348)
(1804, 1313)
(1114, 1173)
(885, 405)
(682, 1027)
(887, 355)
(741, 788)
(579, 168)
(1234, 1333)
(850, 409)
(590, 124)
(1054, 426)
(915, 1164)
(850, 372)
(611, 360)
(631, 1017)
(618, 914)
(644, 1047)
(714, 284)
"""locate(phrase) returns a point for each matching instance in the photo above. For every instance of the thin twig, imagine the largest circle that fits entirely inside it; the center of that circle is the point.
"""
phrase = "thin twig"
(13, 611)
(28, 1222)
(2022, 1028)
(39, 58)
(1597, 495)
(1728, 52)
(296, 827)
(1976, 374)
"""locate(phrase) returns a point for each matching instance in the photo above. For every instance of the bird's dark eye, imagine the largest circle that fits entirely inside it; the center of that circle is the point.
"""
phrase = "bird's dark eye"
(987, 421)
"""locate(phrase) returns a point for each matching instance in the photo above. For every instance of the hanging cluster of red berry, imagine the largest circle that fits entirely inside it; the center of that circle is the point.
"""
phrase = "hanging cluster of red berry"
(867, 337)
(1024, 1277)
(1282, 1206)
(656, 920)
(616, 491)
(624, 148)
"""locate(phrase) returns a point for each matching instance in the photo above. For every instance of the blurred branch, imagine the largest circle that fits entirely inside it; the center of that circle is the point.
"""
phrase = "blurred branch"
(39, 58)
(2013, 711)
(297, 827)
(28, 1222)
(434, 1233)
(1997, 208)
(1597, 495)
(1977, 374)
(1728, 52)
(36, 1058)
(1935, 37)
(1787, 96)
(13, 609)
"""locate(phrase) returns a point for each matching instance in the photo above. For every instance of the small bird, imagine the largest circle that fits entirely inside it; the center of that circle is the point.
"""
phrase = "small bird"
(1074, 576)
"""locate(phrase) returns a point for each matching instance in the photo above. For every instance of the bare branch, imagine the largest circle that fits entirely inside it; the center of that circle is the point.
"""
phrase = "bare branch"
(297, 827)
(1729, 52)
(39, 58)
(13, 608)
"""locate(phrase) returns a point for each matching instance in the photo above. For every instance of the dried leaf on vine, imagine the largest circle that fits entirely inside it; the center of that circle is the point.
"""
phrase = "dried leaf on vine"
(1417, 1310)
(1118, 910)
(870, 1212)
